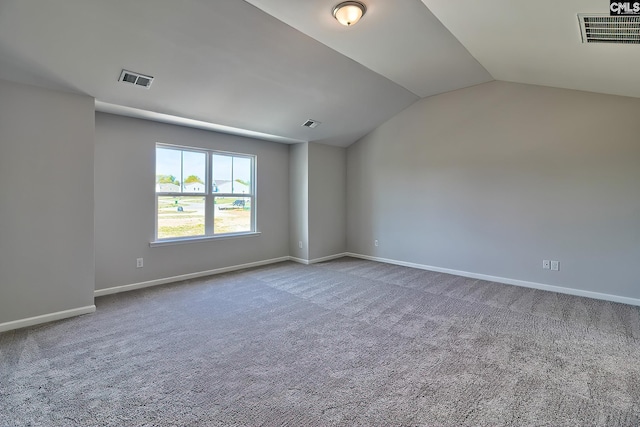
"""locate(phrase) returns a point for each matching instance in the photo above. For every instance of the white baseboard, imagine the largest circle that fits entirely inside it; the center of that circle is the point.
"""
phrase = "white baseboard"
(131, 287)
(327, 258)
(507, 281)
(30, 321)
(317, 260)
(36, 320)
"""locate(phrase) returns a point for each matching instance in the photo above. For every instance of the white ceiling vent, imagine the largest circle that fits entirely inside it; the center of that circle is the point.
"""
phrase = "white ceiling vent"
(311, 123)
(602, 28)
(135, 79)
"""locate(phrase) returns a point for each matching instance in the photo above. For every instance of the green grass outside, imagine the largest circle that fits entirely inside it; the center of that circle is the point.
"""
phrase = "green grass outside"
(190, 221)
(184, 230)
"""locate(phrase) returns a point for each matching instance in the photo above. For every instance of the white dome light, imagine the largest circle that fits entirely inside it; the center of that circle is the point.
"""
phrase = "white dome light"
(349, 12)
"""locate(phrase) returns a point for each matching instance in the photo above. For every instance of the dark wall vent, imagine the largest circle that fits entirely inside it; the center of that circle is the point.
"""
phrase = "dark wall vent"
(311, 123)
(602, 28)
(135, 79)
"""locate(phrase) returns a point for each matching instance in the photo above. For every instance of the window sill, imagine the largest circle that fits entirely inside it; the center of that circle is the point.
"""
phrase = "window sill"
(169, 242)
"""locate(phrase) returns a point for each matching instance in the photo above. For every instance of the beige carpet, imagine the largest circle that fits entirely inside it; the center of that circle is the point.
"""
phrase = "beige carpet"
(347, 342)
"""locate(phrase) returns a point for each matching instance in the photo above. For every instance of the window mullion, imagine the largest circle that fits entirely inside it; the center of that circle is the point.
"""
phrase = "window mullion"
(181, 171)
(252, 189)
(209, 208)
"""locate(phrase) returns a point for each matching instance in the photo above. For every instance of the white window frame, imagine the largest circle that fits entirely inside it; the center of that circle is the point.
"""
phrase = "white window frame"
(209, 196)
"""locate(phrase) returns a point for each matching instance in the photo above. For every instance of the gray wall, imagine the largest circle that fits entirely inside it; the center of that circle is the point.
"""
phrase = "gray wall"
(495, 178)
(46, 201)
(327, 200)
(299, 199)
(317, 175)
(490, 180)
(125, 204)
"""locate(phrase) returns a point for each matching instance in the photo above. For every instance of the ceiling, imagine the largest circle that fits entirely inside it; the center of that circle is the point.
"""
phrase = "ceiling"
(400, 39)
(263, 67)
(539, 42)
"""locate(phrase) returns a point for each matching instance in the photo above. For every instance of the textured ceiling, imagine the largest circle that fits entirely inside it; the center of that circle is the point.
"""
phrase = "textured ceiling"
(266, 66)
(539, 42)
(401, 40)
(223, 62)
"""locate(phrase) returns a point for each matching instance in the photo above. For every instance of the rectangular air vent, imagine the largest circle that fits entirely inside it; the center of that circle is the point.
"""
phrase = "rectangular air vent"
(311, 123)
(602, 28)
(135, 79)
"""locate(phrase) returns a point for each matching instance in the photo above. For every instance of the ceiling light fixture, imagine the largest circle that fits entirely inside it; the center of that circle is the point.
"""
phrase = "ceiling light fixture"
(349, 13)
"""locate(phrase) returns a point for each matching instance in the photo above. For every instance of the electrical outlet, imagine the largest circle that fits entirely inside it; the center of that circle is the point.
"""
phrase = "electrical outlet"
(375, 242)
(555, 265)
(300, 244)
(139, 262)
(546, 264)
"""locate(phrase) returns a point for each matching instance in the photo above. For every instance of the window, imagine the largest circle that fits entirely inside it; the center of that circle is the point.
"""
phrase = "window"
(202, 193)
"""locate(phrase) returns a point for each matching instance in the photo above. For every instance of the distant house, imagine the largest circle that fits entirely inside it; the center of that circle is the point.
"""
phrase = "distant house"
(194, 187)
(167, 188)
(231, 187)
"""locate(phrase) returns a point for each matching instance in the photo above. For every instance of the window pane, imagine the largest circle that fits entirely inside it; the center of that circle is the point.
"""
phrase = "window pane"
(222, 177)
(193, 171)
(232, 215)
(180, 216)
(241, 175)
(168, 170)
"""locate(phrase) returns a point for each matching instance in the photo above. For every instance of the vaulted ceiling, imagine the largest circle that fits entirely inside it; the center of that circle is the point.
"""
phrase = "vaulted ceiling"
(263, 67)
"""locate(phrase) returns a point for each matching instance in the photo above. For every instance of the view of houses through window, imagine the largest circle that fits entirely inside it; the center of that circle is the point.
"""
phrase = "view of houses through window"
(202, 192)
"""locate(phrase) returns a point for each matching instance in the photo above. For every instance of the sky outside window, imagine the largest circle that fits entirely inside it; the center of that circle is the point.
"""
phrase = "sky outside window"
(181, 165)
(229, 171)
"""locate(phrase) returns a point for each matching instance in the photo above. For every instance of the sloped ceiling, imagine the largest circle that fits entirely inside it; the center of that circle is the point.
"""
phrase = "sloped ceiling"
(263, 67)
(539, 42)
(399, 39)
(224, 62)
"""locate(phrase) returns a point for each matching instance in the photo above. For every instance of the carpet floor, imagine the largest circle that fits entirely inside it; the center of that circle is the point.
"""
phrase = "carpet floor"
(347, 342)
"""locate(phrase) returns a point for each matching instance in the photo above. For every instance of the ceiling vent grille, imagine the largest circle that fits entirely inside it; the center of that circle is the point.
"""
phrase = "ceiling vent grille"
(136, 79)
(311, 123)
(602, 28)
